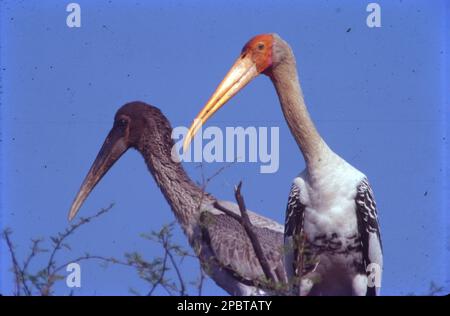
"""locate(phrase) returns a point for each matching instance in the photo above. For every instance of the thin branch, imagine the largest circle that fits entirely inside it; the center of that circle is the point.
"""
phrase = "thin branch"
(435, 289)
(34, 250)
(219, 171)
(200, 283)
(18, 273)
(43, 281)
(164, 286)
(248, 226)
(62, 236)
(92, 257)
(177, 270)
(300, 260)
(161, 276)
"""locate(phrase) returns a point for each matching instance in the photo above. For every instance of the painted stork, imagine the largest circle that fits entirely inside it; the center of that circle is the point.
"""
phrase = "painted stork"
(332, 236)
(221, 243)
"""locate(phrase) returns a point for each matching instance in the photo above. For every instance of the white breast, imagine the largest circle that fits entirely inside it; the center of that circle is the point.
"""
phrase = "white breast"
(329, 198)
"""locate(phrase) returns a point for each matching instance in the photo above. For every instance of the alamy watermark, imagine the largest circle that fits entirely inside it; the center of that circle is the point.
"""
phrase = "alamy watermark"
(73, 279)
(235, 144)
(74, 17)
(374, 17)
(374, 272)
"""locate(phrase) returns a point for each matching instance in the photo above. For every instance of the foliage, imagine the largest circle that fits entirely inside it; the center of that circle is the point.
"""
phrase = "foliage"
(41, 281)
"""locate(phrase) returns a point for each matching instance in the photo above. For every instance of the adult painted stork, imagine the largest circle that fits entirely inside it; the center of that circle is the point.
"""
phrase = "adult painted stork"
(221, 243)
(332, 235)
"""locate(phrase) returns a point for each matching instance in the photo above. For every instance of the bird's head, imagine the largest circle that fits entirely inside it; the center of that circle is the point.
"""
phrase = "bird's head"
(258, 52)
(259, 56)
(132, 123)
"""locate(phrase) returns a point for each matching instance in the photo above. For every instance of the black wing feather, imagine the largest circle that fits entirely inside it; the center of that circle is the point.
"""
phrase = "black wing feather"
(294, 213)
(293, 233)
(366, 212)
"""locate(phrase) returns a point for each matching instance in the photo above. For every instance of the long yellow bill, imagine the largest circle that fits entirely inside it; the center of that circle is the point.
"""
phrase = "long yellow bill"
(242, 72)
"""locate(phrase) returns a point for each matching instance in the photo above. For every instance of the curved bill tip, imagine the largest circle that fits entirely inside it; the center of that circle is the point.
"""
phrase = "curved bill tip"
(196, 125)
(240, 74)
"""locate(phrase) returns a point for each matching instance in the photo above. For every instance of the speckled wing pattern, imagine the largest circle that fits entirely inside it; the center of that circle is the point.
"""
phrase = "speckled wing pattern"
(366, 213)
(234, 251)
(295, 213)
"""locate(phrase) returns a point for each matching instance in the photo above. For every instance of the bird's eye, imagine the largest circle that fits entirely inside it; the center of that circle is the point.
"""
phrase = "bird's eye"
(123, 122)
(260, 46)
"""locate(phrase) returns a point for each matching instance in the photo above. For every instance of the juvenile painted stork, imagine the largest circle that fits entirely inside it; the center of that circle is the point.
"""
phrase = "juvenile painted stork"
(221, 243)
(332, 236)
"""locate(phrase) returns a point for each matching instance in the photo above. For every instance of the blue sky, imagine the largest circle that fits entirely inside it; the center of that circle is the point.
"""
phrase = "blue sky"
(377, 97)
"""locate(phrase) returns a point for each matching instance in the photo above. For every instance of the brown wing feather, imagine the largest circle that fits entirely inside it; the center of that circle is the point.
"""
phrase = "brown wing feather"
(234, 250)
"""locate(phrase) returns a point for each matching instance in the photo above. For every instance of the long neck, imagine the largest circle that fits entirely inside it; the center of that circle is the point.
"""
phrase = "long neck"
(183, 195)
(285, 79)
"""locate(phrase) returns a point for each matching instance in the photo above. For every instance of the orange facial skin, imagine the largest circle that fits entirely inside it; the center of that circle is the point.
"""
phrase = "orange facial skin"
(260, 50)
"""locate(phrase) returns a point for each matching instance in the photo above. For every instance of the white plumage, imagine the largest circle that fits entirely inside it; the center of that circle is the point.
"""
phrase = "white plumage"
(331, 233)
(331, 206)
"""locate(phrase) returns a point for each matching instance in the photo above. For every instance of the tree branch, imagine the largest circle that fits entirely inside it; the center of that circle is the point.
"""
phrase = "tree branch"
(161, 276)
(200, 282)
(58, 241)
(177, 270)
(154, 271)
(248, 226)
(18, 273)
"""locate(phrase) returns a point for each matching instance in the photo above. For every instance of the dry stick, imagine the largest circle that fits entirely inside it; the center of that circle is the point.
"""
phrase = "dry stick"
(168, 256)
(219, 171)
(122, 263)
(161, 276)
(166, 246)
(177, 270)
(58, 242)
(248, 226)
(17, 271)
(110, 260)
(300, 260)
(33, 253)
(200, 283)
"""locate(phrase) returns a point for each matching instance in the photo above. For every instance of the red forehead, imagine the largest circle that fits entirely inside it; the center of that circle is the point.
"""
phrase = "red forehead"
(267, 39)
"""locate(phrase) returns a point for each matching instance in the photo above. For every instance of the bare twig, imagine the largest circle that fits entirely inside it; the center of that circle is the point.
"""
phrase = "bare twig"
(177, 270)
(171, 251)
(18, 273)
(161, 276)
(153, 271)
(58, 241)
(34, 251)
(200, 282)
(219, 171)
(92, 257)
(299, 260)
(44, 279)
(435, 289)
(248, 226)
